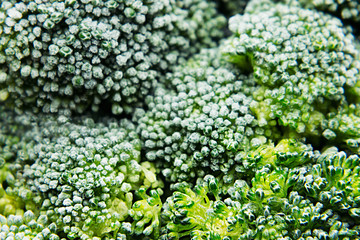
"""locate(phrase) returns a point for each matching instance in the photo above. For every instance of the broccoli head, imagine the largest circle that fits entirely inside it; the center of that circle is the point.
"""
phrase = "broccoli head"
(303, 61)
(69, 56)
(85, 177)
(202, 122)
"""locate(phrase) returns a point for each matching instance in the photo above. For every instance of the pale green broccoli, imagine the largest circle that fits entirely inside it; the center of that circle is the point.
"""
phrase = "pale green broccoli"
(69, 56)
(82, 175)
(27, 227)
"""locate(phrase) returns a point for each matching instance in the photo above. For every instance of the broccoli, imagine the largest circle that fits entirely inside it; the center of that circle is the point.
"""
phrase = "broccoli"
(334, 181)
(27, 227)
(304, 62)
(69, 56)
(347, 10)
(144, 119)
(272, 205)
(83, 176)
(202, 122)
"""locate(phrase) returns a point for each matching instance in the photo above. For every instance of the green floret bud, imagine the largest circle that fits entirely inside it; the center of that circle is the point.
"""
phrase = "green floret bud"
(344, 123)
(303, 62)
(10, 201)
(266, 209)
(287, 153)
(27, 227)
(194, 215)
(146, 213)
(334, 181)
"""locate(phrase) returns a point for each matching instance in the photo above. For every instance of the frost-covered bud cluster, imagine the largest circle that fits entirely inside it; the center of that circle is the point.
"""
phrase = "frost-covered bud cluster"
(8, 138)
(304, 61)
(69, 56)
(82, 175)
(348, 10)
(202, 122)
(27, 227)
(150, 119)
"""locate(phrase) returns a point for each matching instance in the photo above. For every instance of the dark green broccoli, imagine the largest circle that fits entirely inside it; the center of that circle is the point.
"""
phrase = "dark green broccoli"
(335, 182)
(202, 122)
(231, 7)
(68, 56)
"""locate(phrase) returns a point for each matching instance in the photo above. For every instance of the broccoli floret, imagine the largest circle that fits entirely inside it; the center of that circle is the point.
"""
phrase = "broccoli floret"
(27, 227)
(287, 153)
(345, 9)
(202, 122)
(83, 175)
(146, 119)
(11, 201)
(69, 56)
(334, 181)
(146, 213)
(270, 206)
(303, 61)
(10, 132)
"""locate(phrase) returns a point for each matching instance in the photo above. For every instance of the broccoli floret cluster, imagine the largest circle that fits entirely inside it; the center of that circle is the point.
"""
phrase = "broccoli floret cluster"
(334, 181)
(69, 56)
(145, 119)
(345, 9)
(202, 123)
(272, 205)
(304, 62)
(83, 175)
(27, 227)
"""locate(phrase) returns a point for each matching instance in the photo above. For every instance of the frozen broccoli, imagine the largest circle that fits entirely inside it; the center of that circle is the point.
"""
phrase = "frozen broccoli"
(68, 56)
(202, 122)
(304, 62)
(144, 119)
(83, 176)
